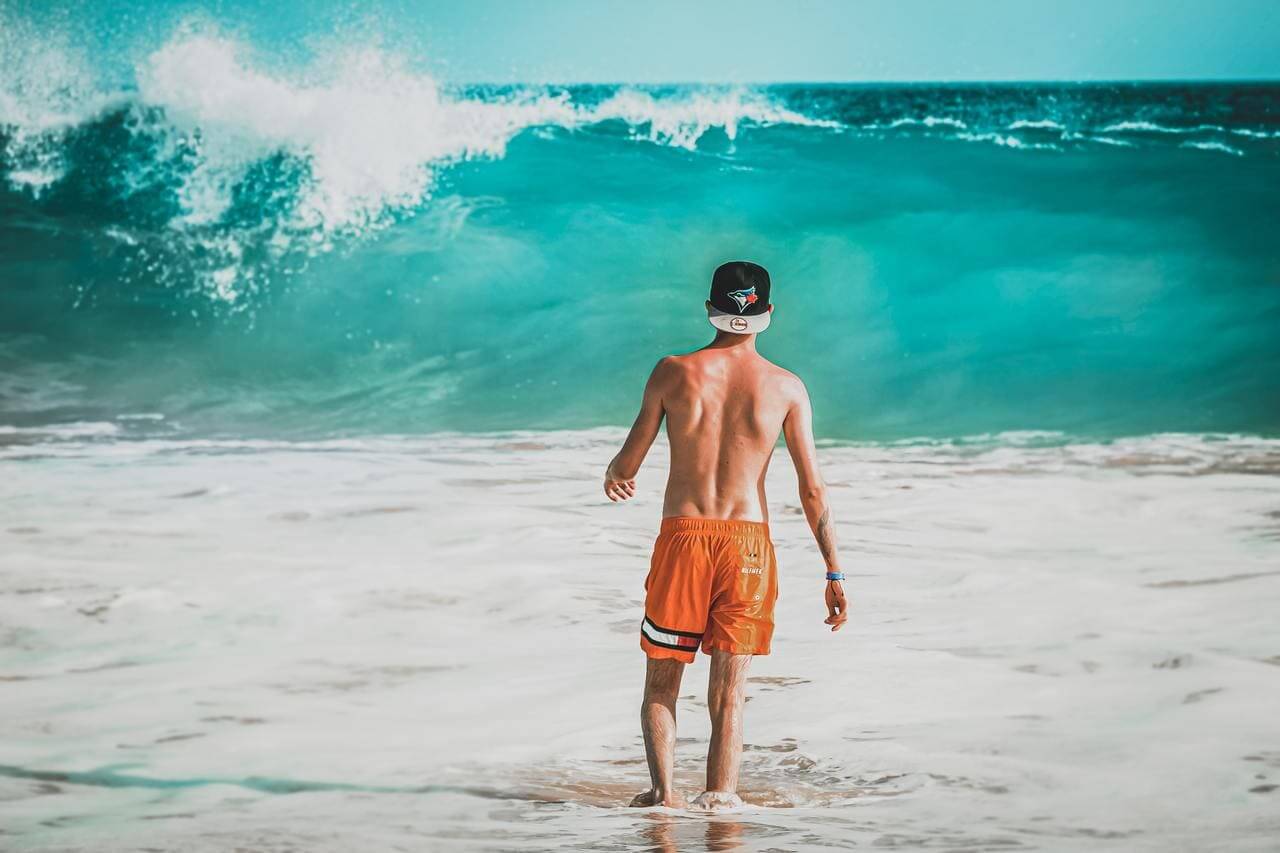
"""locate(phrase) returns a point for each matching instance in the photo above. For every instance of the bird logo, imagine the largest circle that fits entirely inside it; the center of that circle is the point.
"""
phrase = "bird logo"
(744, 297)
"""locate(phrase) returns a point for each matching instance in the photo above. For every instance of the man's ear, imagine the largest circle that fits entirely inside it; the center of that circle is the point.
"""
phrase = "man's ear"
(709, 305)
(770, 307)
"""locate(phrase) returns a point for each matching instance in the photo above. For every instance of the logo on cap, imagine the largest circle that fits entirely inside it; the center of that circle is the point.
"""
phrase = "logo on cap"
(744, 297)
(738, 324)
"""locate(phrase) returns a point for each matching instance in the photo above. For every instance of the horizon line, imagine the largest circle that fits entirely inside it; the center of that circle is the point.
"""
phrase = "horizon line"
(1009, 81)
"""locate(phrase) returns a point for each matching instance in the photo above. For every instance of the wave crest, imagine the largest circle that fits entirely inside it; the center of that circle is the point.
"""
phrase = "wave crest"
(215, 170)
(273, 164)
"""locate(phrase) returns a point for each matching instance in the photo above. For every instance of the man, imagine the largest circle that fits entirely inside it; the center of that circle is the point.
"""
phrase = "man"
(712, 579)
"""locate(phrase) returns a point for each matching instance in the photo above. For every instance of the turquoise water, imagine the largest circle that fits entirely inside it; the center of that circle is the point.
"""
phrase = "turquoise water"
(218, 246)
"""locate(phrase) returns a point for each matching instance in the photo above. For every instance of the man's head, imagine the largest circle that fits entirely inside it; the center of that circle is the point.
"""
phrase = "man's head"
(739, 301)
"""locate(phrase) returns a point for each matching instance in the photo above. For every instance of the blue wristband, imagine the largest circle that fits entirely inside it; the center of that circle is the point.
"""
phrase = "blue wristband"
(835, 576)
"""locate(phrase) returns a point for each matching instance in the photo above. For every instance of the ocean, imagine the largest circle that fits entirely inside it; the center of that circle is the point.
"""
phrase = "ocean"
(357, 249)
(310, 368)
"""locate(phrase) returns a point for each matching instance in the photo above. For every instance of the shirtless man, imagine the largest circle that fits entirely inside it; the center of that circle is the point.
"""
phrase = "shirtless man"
(713, 577)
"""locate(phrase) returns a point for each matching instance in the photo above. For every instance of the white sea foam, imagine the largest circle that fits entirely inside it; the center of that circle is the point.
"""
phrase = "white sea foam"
(48, 82)
(1035, 124)
(928, 121)
(1214, 146)
(1006, 140)
(1145, 126)
(61, 432)
(683, 120)
(1068, 636)
(1255, 134)
(1154, 127)
(1107, 140)
(369, 129)
(46, 89)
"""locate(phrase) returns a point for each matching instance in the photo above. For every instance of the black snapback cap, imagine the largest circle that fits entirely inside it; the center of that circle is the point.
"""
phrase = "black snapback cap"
(740, 298)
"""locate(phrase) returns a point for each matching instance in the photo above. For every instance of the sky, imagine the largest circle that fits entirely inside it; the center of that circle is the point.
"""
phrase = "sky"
(872, 40)
(715, 41)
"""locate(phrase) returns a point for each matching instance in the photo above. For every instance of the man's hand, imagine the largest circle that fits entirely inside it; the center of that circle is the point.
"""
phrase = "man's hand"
(837, 609)
(616, 489)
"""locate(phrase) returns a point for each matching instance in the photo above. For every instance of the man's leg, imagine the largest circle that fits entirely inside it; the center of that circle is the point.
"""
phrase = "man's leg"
(725, 693)
(658, 722)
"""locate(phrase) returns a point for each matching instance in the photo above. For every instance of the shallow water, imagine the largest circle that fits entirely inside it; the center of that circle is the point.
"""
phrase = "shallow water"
(432, 643)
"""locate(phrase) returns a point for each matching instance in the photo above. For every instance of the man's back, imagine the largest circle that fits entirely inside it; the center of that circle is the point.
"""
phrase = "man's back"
(725, 408)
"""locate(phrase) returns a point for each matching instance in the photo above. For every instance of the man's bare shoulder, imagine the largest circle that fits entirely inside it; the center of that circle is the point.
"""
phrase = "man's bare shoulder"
(669, 372)
(669, 365)
(788, 385)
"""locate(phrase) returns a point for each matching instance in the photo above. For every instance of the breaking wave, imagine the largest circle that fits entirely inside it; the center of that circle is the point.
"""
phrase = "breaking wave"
(342, 241)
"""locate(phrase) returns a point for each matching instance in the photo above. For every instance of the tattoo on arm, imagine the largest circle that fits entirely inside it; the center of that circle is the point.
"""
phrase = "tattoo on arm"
(826, 536)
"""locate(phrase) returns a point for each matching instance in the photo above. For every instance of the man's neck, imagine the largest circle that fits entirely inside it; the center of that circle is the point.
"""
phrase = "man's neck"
(729, 340)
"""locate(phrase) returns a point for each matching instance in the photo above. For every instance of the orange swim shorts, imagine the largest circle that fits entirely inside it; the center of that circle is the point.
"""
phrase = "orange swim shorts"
(712, 583)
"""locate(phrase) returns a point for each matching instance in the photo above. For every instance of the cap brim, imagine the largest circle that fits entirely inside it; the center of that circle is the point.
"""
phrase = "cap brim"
(739, 324)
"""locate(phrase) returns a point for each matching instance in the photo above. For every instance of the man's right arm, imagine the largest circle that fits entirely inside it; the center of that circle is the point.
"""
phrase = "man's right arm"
(797, 428)
(620, 475)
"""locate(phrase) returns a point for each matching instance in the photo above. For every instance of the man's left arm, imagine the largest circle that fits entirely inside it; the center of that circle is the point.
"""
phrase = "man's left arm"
(620, 476)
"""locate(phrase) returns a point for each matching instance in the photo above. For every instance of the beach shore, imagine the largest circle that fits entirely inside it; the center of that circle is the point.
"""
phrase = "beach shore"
(431, 643)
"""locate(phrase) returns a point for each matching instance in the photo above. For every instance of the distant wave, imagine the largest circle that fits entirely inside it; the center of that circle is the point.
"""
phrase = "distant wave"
(1152, 127)
(1035, 124)
(1007, 140)
(1214, 146)
(927, 121)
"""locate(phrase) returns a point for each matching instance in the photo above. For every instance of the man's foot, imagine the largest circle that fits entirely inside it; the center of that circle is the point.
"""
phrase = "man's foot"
(715, 801)
(653, 797)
